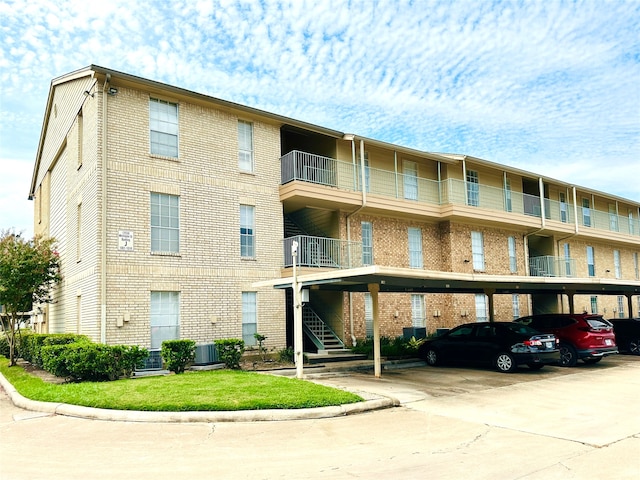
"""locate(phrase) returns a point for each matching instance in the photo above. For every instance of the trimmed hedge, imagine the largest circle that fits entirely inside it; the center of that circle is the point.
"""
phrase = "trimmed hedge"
(230, 351)
(85, 361)
(31, 344)
(178, 354)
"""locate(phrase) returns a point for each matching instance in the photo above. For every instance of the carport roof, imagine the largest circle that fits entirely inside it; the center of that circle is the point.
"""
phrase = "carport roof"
(406, 280)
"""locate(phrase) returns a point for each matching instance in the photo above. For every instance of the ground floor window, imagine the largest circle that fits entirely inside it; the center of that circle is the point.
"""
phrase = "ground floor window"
(249, 318)
(620, 306)
(418, 317)
(515, 301)
(594, 304)
(368, 315)
(165, 318)
(481, 308)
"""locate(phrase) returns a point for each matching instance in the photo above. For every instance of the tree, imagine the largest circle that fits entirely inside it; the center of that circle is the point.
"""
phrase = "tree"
(28, 271)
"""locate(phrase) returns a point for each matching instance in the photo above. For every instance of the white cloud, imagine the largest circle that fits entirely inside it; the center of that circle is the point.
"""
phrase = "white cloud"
(16, 211)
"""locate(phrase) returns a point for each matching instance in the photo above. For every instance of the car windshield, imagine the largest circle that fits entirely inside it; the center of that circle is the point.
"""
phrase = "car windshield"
(522, 329)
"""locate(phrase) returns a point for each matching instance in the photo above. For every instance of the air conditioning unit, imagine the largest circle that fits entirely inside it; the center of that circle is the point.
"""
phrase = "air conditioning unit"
(206, 354)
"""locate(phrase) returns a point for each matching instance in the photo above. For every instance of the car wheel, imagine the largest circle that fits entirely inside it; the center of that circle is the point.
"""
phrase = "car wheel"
(589, 361)
(535, 366)
(568, 355)
(505, 363)
(634, 346)
(432, 357)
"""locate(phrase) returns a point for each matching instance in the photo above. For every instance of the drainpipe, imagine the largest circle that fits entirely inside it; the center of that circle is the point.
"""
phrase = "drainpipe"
(575, 208)
(103, 253)
(542, 209)
(349, 215)
(464, 179)
(395, 166)
(439, 183)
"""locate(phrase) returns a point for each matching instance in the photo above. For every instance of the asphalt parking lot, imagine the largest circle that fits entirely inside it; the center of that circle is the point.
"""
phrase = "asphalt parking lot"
(453, 423)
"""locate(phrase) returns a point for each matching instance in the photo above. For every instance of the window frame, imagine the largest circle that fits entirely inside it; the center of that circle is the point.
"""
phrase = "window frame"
(418, 311)
(477, 250)
(367, 242)
(165, 317)
(249, 318)
(246, 157)
(473, 188)
(513, 254)
(410, 179)
(158, 230)
(414, 239)
(247, 231)
(591, 261)
(171, 129)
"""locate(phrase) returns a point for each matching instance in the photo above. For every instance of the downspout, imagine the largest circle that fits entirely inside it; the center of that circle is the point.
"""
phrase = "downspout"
(439, 183)
(103, 253)
(349, 215)
(395, 166)
(464, 179)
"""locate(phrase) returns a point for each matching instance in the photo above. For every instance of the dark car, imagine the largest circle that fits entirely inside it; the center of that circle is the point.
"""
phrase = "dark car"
(627, 332)
(584, 336)
(503, 345)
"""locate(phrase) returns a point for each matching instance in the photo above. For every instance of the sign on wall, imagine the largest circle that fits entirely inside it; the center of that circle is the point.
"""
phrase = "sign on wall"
(125, 240)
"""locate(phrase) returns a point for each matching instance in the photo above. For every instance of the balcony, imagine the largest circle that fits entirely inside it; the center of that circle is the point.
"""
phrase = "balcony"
(307, 167)
(322, 252)
(548, 266)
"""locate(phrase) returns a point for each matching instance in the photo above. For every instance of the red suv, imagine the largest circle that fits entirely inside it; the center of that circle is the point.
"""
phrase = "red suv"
(582, 336)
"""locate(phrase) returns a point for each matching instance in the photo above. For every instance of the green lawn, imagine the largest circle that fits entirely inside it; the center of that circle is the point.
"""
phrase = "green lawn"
(216, 390)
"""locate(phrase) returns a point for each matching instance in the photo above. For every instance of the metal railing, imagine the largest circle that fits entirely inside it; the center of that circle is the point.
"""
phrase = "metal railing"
(548, 266)
(327, 171)
(318, 330)
(323, 252)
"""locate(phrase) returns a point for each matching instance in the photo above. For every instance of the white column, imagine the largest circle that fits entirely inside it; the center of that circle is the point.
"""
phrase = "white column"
(297, 314)
(374, 288)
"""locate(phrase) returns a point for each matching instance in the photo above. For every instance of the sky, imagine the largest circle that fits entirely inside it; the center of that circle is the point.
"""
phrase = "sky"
(551, 87)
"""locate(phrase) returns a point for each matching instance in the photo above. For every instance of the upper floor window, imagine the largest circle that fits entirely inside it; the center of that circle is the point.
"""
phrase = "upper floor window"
(247, 231)
(245, 146)
(477, 250)
(415, 247)
(636, 265)
(367, 243)
(473, 189)
(508, 204)
(163, 126)
(564, 212)
(613, 218)
(410, 179)
(513, 259)
(367, 172)
(567, 260)
(632, 229)
(165, 223)
(591, 265)
(616, 263)
(586, 212)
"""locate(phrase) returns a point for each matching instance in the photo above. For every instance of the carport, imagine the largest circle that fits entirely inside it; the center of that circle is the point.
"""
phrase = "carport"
(377, 279)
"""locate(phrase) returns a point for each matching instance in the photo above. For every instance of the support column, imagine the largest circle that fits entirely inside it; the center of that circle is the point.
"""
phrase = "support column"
(630, 305)
(374, 288)
(489, 292)
(572, 307)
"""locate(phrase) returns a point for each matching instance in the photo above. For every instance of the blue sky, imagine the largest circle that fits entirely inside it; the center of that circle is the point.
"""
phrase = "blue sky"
(550, 86)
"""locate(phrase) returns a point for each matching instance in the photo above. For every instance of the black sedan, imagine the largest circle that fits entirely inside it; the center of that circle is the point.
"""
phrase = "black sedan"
(627, 331)
(503, 345)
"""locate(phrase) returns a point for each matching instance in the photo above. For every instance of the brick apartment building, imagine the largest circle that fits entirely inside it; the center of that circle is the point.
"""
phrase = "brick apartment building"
(174, 211)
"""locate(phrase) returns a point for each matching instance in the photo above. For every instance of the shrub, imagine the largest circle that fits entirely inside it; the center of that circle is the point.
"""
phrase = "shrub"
(230, 351)
(31, 344)
(389, 347)
(4, 346)
(178, 354)
(82, 361)
(286, 355)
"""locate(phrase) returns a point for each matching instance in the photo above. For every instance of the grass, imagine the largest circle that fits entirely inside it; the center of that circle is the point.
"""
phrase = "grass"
(216, 390)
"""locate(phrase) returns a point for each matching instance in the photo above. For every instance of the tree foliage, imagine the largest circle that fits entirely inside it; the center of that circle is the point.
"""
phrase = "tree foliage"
(28, 271)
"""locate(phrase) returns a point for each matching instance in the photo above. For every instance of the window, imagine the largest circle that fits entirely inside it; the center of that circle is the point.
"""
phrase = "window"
(245, 146)
(415, 247)
(410, 171)
(418, 317)
(165, 318)
(513, 260)
(473, 192)
(591, 266)
(247, 231)
(636, 265)
(79, 232)
(515, 302)
(507, 195)
(165, 223)
(477, 250)
(163, 125)
(249, 318)
(367, 172)
(567, 260)
(620, 306)
(632, 229)
(586, 213)
(613, 218)
(367, 243)
(481, 308)
(368, 314)
(564, 213)
(616, 263)
(594, 304)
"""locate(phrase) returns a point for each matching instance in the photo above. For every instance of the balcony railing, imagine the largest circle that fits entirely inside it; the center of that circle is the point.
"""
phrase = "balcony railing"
(322, 252)
(327, 171)
(548, 266)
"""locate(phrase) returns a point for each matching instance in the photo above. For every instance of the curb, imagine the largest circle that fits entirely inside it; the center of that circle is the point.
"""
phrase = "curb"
(192, 417)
